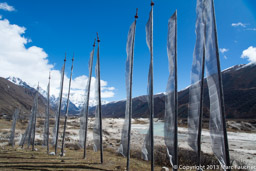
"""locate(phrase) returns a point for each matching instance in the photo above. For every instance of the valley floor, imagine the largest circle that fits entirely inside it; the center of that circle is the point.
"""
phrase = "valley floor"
(242, 147)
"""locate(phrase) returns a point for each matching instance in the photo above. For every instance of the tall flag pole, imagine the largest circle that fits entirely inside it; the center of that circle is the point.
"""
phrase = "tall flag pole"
(31, 127)
(46, 121)
(197, 85)
(85, 111)
(31, 130)
(59, 110)
(97, 130)
(34, 119)
(26, 136)
(14, 119)
(206, 53)
(148, 146)
(126, 132)
(171, 101)
(66, 114)
(218, 131)
(48, 113)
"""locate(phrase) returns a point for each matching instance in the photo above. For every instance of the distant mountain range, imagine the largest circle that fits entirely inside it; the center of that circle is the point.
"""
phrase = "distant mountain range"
(239, 84)
(76, 101)
(13, 96)
(24, 95)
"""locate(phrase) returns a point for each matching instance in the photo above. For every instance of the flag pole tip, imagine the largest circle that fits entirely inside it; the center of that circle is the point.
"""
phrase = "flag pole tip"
(98, 39)
(65, 57)
(94, 42)
(73, 56)
(152, 3)
(136, 16)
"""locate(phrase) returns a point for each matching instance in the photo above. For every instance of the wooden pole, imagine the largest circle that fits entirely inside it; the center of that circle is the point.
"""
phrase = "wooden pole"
(48, 114)
(35, 113)
(227, 157)
(175, 160)
(61, 91)
(66, 114)
(130, 91)
(152, 99)
(99, 91)
(88, 98)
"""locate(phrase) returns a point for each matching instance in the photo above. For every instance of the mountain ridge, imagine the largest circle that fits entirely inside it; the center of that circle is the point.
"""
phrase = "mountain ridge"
(75, 102)
(239, 96)
(238, 84)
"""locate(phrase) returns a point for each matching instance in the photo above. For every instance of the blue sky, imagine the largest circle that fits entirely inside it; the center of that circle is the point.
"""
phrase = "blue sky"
(70, 26)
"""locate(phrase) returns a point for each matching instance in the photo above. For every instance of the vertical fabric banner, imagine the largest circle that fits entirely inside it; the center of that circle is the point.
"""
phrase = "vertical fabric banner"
(67, 108)
(84, 114)
(45, 128)
(207, 43)
(85, 110)
(196, 74)
(57, 122)
(123, 149)
(148, 145)
(82, 127)
(25, 136)
(14, 119)
(214, 85)
(170, 120)
(46, 121)
(35, 108)
(31, 136)
(54, 130)
(31, 128)
(48, 115)
(96, 128)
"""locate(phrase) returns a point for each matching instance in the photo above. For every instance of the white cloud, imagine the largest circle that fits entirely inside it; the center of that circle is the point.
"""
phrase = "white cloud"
(223, 50)
(111, 88)
(107, 94)
(108, 88)
(32, 66)
(249, 54)
(238, 24)
(252, 29)
(6, 7)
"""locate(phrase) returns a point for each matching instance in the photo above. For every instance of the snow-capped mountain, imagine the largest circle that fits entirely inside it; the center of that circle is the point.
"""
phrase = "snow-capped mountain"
(22, 83)
(54, 101)
(76, 100)
(18, 82)
(92, 102)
